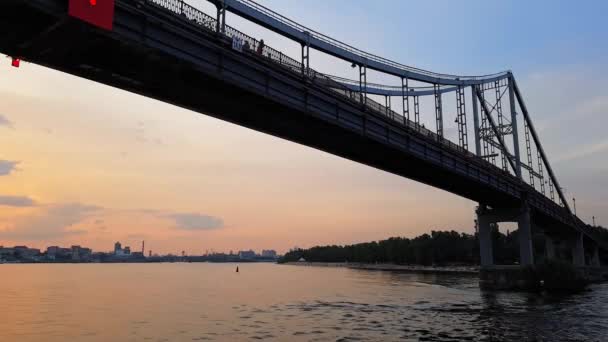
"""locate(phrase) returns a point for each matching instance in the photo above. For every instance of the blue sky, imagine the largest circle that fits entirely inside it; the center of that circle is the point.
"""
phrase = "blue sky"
(471, 36)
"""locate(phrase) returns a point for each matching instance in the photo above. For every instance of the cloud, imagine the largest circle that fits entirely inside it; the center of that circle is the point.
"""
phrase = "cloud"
(7, 166)
(51, 222)
(5, 122)
(583, 151)
(193, 221)
(16, 201)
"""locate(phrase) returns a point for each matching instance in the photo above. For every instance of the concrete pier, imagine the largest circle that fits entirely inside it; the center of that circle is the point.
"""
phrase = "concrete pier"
(578, 250)
(595, 257)
(485, 238)
(565, 266)
(549, 247)
(487, 217)
(526, 253)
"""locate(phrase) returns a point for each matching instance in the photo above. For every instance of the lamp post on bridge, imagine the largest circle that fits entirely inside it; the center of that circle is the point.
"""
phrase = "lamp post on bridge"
(574, 202)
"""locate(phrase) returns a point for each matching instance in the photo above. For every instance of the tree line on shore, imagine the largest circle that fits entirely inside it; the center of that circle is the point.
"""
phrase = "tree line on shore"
(436, 248)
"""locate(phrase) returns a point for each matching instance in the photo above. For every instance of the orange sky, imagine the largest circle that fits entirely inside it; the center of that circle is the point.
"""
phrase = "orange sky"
(87, 164)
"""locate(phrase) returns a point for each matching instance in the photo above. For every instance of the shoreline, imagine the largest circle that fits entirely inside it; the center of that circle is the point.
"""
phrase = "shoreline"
(469, 270)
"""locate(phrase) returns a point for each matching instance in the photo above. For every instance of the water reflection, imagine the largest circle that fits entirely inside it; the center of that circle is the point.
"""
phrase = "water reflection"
(200, 302)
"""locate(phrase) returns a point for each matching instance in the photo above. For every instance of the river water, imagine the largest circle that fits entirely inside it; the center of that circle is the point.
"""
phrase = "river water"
(204, 302)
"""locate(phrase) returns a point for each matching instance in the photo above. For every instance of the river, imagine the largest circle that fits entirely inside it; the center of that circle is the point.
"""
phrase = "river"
(205, 302)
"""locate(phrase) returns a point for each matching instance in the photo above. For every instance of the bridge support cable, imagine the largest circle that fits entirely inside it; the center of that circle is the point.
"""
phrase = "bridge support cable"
(503, 147)
(405, 98)
(261, 15)
(529, 152)
(539, 147)
(539, 160)
(461, 119)
(515, 129)
(438, 111)
(417, 112)
(476, 123)
(488, 150)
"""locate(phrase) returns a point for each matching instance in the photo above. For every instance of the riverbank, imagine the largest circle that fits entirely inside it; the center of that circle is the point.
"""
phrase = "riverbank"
(472, 270)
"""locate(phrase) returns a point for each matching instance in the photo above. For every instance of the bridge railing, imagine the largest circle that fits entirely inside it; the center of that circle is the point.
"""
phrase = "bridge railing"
(209, 23)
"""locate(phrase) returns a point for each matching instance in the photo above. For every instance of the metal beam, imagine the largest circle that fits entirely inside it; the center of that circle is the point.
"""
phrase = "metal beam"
(476, 122)
(514, 125)
(438, 112)
(539, 146)
(286, 27)
(381, 89)
(486, 111)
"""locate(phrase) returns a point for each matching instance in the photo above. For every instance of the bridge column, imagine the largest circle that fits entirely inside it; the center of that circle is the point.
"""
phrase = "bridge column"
(526, 254)
(549, 247)
(578, 250)
(595, 257)
(514, 128)
(485, 237)
(220, 17)
(405, 99)
(476, 122)
(438, 111)
(306, 55)
(363, 83)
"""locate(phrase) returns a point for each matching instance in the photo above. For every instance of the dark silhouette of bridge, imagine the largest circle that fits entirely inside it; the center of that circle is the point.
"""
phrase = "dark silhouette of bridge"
(173, 52)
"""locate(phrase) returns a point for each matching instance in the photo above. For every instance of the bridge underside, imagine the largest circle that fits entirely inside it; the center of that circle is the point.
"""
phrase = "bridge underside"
(143, 55)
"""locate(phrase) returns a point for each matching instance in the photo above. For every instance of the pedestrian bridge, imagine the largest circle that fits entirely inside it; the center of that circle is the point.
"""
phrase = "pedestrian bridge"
(173, 52)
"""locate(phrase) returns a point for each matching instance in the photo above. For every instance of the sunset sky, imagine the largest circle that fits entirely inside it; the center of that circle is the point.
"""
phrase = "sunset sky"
(83, 163)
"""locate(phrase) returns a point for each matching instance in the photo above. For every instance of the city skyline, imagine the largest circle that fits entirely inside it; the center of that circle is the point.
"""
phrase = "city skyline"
(123, 253)
(83, 161)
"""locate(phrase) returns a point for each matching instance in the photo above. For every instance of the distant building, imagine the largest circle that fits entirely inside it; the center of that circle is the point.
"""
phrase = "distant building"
(80, 253)
(137, 255)
(51, 252)
(118, 248)
(23, 252)
(64, 253)
(246, 255)
(86, 253)
(75, 253)
(121, 252)
(6, 253)
(269, 253)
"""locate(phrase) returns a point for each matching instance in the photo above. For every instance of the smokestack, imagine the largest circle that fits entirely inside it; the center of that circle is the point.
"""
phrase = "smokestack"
(143, 250)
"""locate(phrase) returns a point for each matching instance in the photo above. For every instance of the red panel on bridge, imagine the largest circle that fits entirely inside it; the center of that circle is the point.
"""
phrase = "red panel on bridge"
(96, 12)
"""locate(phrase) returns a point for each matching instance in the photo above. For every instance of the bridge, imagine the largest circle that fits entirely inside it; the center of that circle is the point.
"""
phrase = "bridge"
(171, 51)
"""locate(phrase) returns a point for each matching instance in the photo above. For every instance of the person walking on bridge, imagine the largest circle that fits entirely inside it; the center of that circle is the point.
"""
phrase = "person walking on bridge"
(260, 49)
